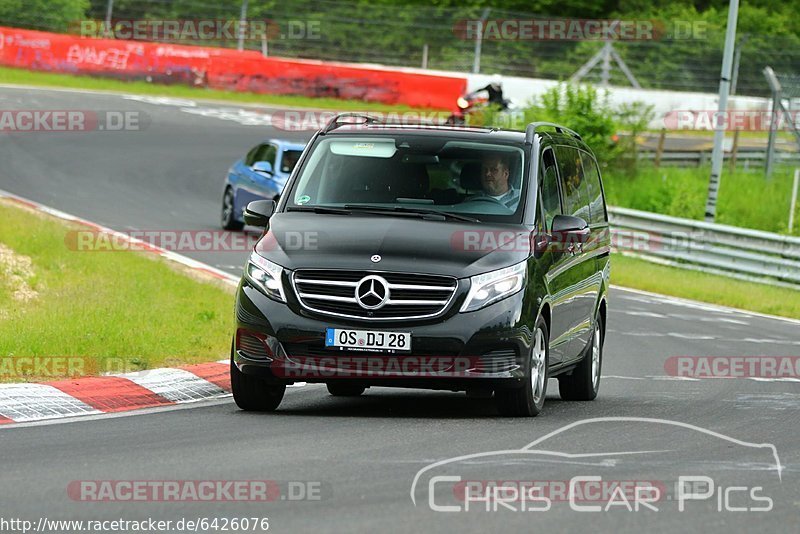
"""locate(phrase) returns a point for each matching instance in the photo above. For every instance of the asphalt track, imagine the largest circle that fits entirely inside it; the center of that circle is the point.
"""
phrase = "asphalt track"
(365, 453)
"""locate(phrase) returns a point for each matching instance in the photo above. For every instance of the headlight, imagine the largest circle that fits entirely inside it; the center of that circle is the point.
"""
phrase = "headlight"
(490, 287)
(266, 276)
(462, 102)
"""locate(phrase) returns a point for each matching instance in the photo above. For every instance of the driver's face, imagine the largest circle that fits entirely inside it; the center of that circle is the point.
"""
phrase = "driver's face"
(494, 177)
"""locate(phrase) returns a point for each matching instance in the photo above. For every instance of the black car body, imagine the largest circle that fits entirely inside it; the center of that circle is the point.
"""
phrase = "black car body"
(389, 261)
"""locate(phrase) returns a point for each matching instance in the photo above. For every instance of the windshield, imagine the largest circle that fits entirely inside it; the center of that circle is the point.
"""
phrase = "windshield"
(480, 180)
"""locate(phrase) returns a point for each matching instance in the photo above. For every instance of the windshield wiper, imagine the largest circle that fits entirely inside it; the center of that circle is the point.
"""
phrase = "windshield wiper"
(320, 209)
(410, 211)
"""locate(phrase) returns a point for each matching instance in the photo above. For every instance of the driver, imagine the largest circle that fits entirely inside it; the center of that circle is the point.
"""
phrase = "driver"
(290, 158)
(495, 181)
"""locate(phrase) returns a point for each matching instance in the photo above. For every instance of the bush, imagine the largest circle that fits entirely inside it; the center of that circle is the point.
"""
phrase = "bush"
(584, 109)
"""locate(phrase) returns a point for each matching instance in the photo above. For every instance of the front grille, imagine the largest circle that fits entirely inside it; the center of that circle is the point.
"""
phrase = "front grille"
(411, 296)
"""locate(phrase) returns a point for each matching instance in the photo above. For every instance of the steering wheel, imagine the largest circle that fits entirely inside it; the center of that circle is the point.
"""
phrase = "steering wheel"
(486, 199)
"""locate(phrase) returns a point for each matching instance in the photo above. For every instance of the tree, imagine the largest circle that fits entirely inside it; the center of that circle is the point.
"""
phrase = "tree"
(53, 15)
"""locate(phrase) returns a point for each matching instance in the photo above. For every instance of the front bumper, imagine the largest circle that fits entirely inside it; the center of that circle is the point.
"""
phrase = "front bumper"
(484, 348)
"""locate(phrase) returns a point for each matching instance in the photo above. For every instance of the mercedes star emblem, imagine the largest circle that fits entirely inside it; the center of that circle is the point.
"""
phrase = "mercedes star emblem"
(375, 258)
(372, 292)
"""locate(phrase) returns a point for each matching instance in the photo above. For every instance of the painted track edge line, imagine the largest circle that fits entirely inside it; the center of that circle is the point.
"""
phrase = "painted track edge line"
(708, 304)
(145, 246)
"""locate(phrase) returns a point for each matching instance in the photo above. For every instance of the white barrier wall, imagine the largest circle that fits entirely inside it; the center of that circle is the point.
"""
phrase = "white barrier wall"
(523, 90)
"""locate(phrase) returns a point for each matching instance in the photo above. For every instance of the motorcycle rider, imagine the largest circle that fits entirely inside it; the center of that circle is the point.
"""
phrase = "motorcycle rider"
(495, 91)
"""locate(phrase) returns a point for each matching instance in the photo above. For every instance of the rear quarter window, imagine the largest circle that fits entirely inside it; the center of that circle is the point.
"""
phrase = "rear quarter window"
(573, 186)
(591, 175)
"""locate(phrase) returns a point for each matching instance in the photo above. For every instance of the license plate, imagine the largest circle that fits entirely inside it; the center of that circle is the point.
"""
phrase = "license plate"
(368, 340)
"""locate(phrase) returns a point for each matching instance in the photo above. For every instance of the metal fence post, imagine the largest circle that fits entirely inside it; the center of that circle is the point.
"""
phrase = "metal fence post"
(775, 86)
(242, 22)
(737, 58)
(476, 63)
(109, 13)
(793, 204)
(719, 132)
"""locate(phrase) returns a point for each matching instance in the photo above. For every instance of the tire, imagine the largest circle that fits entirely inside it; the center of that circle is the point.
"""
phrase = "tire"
(254, 394)
(583, 383)
(528, 400)
(229, 222)
(345, 390)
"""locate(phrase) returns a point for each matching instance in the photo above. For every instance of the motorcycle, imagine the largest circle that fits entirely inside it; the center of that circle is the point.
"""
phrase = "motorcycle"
(474, 104)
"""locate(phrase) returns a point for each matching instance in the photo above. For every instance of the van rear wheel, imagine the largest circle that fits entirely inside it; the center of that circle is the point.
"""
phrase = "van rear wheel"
(229, 221)
(528, 400)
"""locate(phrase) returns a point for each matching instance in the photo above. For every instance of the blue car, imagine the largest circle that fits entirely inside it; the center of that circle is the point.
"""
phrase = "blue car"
(260, 175)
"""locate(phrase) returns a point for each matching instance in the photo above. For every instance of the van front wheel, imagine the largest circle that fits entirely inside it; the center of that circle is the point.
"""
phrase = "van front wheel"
(254, 394)
(528, 400)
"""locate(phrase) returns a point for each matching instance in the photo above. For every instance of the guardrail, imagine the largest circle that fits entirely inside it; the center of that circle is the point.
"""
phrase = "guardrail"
(703, 157)
(715, 248)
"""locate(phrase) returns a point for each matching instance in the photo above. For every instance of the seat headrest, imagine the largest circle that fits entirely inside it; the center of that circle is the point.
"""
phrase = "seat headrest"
(470, 176)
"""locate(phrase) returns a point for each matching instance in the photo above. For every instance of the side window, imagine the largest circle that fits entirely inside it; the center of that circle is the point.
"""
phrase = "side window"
(250, 158)
(571, 171)
(551, 204)
(592, 176)
(267, 153)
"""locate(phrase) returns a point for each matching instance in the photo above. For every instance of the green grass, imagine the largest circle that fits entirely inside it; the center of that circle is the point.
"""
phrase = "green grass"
(746, 197)
(116, 310)
(640, 274)
(48, 79)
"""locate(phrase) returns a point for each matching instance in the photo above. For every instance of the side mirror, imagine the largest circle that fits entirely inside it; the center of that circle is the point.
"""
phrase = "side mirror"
(567, 224)
(263, 167)
(569, 229)
(258, 212)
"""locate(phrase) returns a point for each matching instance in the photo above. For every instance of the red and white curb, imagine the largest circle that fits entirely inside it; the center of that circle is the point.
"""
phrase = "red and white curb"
(22, 403)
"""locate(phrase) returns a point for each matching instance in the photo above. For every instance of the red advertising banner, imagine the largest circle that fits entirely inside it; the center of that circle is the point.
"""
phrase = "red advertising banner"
(221, 68)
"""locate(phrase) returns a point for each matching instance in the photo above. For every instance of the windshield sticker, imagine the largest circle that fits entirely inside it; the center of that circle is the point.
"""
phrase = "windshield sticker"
(378, 149)
(303, 199)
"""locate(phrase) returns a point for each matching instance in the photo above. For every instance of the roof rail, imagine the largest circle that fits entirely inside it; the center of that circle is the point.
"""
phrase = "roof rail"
(530, 130)
(337, 121)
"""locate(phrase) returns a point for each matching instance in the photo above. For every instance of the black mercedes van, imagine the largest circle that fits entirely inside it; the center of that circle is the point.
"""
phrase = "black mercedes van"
(463, 259)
